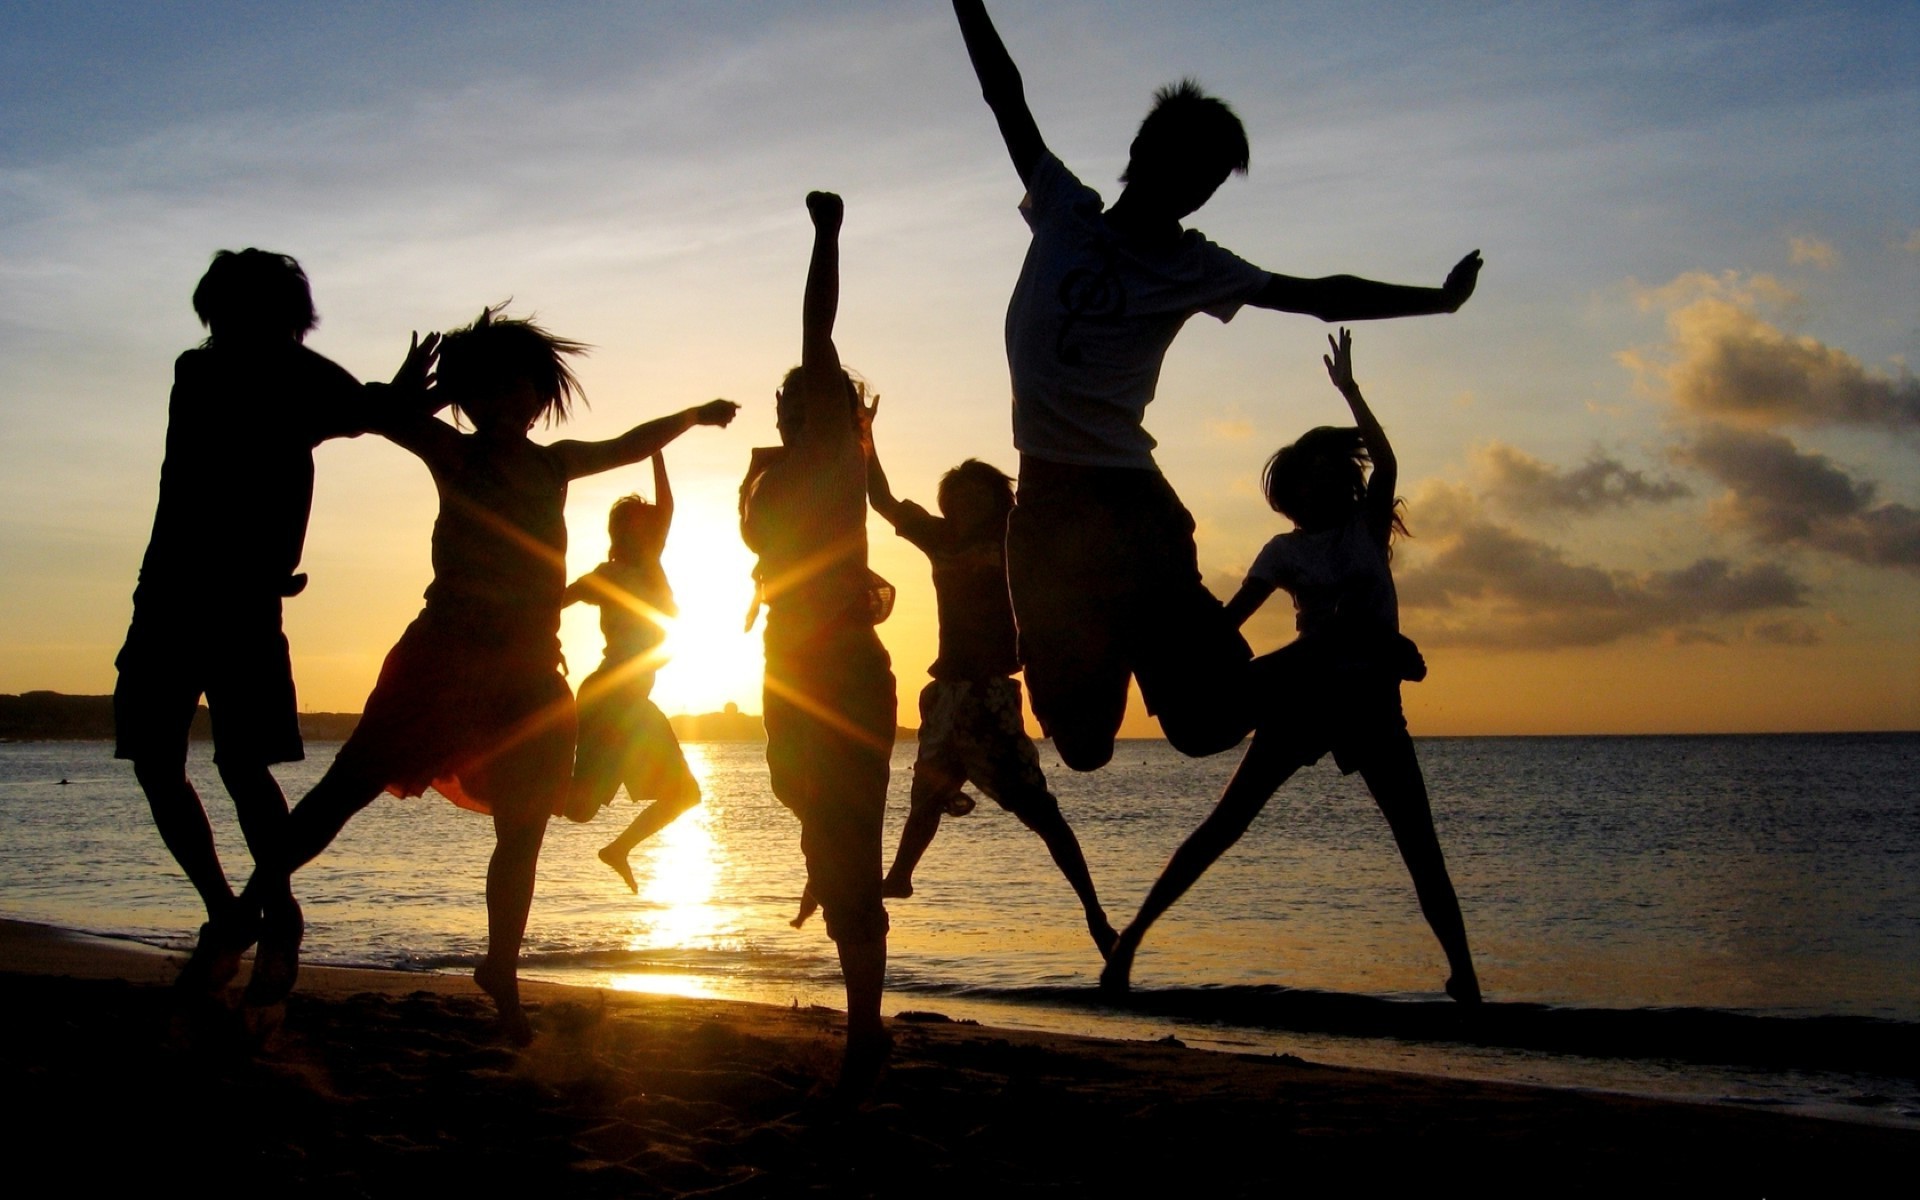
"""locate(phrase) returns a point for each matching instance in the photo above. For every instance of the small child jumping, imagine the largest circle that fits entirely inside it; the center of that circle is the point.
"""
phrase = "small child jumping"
(470, 701)
(624, 737)
(971, 729)
(1339, 681)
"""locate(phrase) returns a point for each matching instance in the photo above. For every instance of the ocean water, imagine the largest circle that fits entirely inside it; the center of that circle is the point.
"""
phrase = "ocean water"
(1723, 918)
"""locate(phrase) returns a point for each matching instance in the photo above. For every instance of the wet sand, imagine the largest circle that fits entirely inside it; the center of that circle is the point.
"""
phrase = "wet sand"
(383, 1083)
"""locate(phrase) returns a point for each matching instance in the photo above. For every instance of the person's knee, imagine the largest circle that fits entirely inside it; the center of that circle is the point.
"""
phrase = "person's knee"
(160, 776)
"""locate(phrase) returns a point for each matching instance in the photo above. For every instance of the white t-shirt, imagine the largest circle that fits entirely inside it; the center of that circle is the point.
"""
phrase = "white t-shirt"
(1334, 570)
(1091, 320)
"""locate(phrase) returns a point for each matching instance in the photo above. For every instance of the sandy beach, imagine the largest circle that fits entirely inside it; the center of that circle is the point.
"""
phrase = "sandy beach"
(381, 1083)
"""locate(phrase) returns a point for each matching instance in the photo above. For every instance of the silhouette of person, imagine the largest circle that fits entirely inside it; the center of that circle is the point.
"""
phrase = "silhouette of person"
(970, 718)
(470, 701)
(236, 490)
(624, 737)
(1100, 553)
(829, 697)
(1339, 681)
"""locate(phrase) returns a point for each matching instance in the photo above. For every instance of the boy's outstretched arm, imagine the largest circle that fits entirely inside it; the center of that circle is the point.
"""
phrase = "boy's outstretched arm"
(591, 458)
(1350, 298)
(1000, 85)
(879, 493)
(662, 490)
(1386, 469)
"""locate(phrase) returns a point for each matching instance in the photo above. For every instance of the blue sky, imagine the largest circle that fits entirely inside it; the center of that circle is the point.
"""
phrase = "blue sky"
(1661, 468)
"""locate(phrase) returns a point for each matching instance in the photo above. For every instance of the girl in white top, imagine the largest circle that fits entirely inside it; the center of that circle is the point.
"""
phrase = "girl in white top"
(1338, 683)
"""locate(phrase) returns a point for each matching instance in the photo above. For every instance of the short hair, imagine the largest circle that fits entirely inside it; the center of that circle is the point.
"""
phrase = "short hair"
(997, 483)
(255, 291)
(496, 347)
(1194, 128)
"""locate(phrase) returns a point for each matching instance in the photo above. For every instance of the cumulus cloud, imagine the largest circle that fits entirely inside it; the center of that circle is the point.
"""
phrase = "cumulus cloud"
(1724, 360)
(1520, 482)
(1480, 583)
(1782, 495)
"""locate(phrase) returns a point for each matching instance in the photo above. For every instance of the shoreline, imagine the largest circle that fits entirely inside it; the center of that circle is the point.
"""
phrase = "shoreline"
(378, 1080)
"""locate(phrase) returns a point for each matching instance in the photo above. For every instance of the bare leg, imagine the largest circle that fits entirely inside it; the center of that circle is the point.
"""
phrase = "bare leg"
(1268, 763)
(1053, 829)
(182, 822)
(308, 829)
(510, 878)
(863, 965)
(652, 819)
(924, 811)
(262, 809)
(1393, 776)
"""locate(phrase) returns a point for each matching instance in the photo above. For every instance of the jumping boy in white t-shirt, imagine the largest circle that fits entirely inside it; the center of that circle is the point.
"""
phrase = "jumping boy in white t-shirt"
(1100, 554)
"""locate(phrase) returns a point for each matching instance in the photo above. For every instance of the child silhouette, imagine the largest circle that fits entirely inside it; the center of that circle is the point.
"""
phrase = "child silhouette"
(624, 737)
(1339, 681)
(970, 716)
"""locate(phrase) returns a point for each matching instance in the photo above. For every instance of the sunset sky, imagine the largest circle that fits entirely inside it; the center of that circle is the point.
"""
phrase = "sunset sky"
(1661, 471)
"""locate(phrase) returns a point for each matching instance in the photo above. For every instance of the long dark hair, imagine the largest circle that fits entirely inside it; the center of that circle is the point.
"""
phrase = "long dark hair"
(1335, 458)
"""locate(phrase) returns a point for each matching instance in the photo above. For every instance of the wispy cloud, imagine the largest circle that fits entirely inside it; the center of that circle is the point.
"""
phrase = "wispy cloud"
(1518, 481)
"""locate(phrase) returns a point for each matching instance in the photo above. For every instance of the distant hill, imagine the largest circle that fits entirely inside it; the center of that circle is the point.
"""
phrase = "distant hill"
(54, 717)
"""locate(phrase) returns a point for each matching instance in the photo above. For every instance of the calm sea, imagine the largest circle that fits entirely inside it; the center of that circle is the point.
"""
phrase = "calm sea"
(1732, 918)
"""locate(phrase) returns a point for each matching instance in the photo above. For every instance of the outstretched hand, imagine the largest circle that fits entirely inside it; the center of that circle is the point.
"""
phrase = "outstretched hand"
(1340, 362)
(827, 209)
(1461, 280)
(715, 412)
(416, 372)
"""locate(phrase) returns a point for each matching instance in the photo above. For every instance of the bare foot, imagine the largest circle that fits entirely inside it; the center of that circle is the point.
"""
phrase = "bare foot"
(1464, 986)
(896, 889)
(865, 1062)
(216, 956)
(276, 964)
(1104, 935)
(1117, 978)
(503, 984)
(613, 856)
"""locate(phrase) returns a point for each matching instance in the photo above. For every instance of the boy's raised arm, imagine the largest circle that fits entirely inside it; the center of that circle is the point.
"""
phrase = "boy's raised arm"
(1386, 469)
(1350, 298)
(591, 458)
(662, 490)
(1000, 86)
(879, 492)
(823, 397)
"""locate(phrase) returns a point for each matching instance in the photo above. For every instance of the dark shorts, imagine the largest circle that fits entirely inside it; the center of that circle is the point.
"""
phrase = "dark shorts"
(830, 711)
(971, 732)
(1318, 709)
(490, 729)
(237, 658)
(1106, 586)
(626, 739)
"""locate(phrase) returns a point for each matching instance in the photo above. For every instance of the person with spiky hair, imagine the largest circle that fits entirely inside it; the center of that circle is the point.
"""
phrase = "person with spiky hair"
(1100, 553)
(471, 702)
(971, 725)
(249, 405)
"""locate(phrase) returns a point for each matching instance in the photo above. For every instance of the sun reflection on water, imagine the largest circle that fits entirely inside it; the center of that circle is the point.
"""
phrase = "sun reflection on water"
(681, 867)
